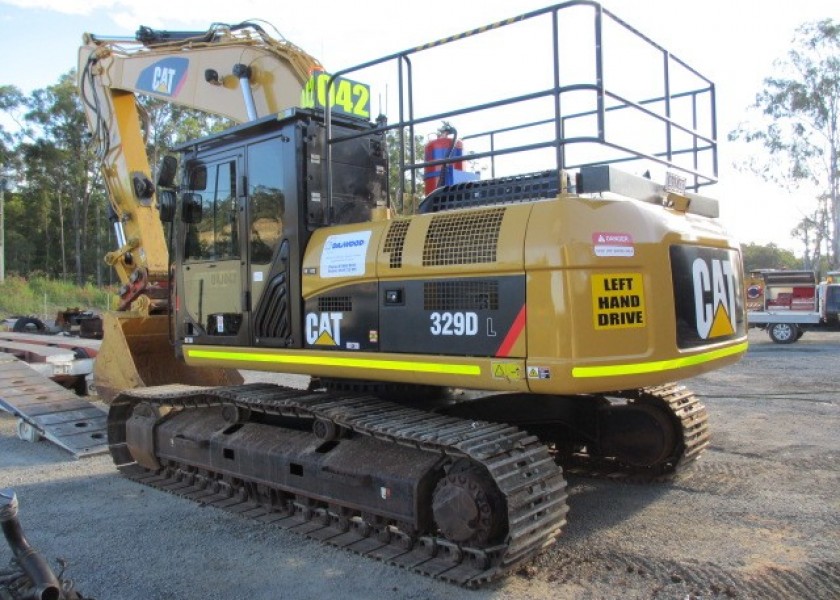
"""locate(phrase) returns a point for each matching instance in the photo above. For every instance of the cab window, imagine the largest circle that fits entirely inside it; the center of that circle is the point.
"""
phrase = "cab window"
(266, 200)
(215, 237)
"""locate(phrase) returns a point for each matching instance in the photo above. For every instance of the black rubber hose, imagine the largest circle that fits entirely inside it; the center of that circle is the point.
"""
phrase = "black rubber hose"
(44, 581)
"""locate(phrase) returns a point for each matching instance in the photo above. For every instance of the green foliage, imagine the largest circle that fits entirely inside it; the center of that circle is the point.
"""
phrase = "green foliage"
(59, 174)
(798, 123)
(413, 153)
(11, 99)
(169, 125)
(770, 256)
(56, 204)
(19, 296)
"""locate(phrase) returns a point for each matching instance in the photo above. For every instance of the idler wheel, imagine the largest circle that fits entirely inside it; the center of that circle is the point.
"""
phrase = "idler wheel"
(639, 434)
(325, 430)
(235, 414)
(467, 506)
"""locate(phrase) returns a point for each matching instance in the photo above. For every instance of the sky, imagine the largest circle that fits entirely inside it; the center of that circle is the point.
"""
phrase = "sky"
(732, 42)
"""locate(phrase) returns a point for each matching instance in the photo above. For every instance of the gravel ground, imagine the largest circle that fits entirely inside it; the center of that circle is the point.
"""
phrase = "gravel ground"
(757, 516)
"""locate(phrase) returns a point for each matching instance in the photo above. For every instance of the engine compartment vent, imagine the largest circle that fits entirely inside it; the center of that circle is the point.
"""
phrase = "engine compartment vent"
(335, 304)
(395, 242)
(463, 238)
(470, 294)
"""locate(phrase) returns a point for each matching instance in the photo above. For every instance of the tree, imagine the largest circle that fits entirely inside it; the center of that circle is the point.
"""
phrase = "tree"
(167, 124)
(800, 126)
(58, 112)
(770, 256)
(55, 216)
(11, 99)
(814, 231)
(397, 200)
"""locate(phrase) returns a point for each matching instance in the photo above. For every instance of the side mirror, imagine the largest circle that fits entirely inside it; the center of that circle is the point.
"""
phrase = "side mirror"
(167, 169)
(166, 205)
(191, 208)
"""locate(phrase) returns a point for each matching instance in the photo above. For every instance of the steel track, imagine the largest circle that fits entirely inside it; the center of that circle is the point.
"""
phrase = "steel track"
(689, 417)
(521, 467)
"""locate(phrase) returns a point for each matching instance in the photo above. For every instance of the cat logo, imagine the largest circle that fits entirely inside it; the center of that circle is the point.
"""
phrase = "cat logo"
(324, 329)
(162, 80)
(714, 297)
(165, 77)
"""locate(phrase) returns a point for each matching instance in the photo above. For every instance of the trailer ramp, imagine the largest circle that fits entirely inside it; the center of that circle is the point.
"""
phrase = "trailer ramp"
(46, 409)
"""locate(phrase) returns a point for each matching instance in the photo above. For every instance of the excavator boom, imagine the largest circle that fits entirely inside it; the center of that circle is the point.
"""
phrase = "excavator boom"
(234, 71)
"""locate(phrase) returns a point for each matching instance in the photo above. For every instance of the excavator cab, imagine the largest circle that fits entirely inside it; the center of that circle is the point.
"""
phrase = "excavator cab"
(249, 200)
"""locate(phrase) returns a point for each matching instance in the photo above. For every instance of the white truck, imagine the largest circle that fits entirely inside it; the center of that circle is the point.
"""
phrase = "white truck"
(789, 303)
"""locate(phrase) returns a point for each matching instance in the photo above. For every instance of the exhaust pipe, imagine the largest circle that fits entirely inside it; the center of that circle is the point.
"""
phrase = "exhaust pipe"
(44, 582)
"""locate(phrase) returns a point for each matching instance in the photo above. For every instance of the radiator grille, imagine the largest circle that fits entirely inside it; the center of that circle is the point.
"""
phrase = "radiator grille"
(463, 238)
(395, 241)
(477, 294)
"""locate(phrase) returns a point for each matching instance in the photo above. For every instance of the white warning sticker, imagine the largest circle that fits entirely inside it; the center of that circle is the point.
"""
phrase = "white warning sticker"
(606, 243)
(539, 373)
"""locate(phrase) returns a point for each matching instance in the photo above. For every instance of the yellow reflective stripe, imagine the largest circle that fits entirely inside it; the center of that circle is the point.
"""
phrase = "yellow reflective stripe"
(328, 361)
(659, 365)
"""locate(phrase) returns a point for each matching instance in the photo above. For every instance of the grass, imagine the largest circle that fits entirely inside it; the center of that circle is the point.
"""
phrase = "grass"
(42, 297)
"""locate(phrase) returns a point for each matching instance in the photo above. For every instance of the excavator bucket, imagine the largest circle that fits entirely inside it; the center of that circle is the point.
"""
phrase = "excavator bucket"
(136, 352)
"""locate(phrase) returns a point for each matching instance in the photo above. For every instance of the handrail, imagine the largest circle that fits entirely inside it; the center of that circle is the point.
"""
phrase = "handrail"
(664, 109)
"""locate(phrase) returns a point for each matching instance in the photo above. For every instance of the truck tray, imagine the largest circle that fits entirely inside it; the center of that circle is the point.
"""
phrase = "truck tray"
(783, 316)
(51, 410)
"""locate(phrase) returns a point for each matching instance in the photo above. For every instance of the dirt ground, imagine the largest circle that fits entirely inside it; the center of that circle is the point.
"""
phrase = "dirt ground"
(758, 516)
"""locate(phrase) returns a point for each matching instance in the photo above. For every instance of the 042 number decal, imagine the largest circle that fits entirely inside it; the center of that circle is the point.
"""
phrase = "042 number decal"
(345, 95)
(454, 323)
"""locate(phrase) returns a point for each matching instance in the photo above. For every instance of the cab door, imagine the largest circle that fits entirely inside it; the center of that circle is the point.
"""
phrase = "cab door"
(271, 240)
(211, 278)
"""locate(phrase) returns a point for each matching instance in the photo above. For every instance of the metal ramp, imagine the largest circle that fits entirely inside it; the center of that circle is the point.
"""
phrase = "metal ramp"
(45, 408)
(63, 359)
(81, 347)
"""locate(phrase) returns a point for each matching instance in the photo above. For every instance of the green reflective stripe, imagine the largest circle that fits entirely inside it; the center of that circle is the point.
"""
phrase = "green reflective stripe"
(328, 361)
(659, 365)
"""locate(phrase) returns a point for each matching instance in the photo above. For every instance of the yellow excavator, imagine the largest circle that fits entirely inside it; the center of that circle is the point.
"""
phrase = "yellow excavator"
(462, 356)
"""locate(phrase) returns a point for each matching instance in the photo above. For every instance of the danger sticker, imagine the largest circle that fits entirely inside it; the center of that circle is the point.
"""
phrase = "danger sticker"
(618, 301)
(607, 243)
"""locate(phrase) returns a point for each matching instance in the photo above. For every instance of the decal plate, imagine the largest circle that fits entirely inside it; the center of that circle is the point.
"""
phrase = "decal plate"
(618, 301)
(165, 77)
(612, 244)
(344, 255)
(708, 297)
